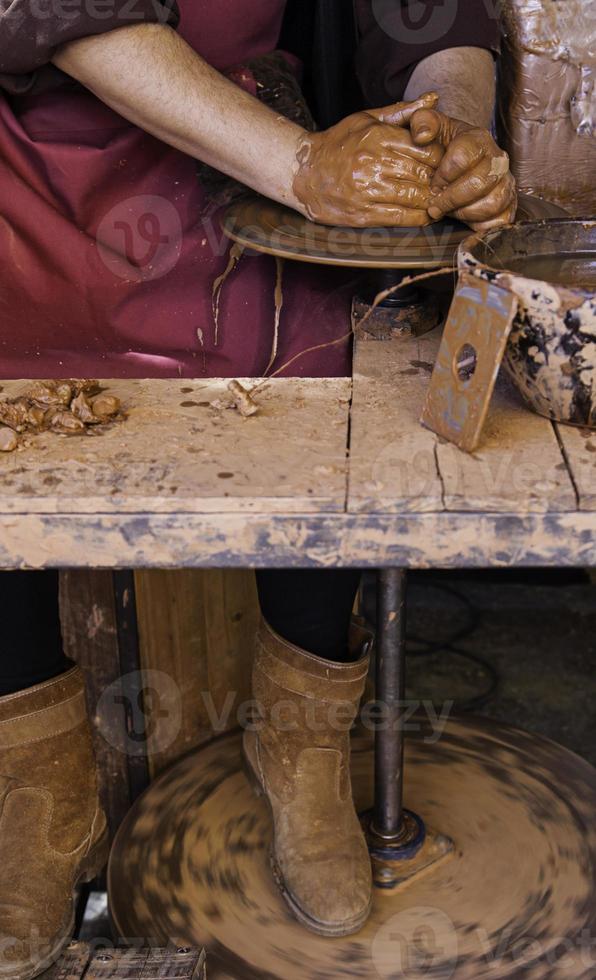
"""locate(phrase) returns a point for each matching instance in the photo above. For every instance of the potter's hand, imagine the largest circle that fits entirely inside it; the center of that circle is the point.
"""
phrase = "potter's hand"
(473, 181)
(367, 171)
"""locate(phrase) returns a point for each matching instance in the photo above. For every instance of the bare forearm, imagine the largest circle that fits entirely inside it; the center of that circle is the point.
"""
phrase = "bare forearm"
(473, 181)
(149, 75)
(465, 81)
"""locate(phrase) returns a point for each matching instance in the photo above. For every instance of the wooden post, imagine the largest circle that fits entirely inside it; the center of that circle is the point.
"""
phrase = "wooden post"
(197, 627)
(90, 637)
(196, 630)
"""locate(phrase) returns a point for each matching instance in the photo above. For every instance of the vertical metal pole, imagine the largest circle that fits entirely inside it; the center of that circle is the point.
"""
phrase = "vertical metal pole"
(390, 680)
(131, 677)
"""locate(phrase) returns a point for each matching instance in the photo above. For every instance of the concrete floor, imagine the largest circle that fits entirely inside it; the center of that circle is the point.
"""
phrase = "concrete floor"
(539, 634)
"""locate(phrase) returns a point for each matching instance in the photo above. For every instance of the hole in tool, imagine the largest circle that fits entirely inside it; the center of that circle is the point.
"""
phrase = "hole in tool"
(466, 362)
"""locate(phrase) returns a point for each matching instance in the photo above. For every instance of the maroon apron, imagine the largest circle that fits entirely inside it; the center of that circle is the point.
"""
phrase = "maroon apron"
(110, 246)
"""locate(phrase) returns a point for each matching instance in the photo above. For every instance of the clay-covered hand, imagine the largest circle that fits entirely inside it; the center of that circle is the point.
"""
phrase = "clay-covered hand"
(473, 181)
(367, 171)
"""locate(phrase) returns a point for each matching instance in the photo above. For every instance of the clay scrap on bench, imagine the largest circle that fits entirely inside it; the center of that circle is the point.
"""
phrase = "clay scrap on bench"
(63, 407)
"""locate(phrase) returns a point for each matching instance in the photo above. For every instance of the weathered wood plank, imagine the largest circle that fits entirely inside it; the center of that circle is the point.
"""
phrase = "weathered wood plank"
(89, 633)
(179, 451)
(393, 467)
(518, 468)
(323, 541)
(396, 465)
(396, 497)
(231, 610)
(153, 964)
(579, 446)
(197, 628)
(78, 962)
(71, 965)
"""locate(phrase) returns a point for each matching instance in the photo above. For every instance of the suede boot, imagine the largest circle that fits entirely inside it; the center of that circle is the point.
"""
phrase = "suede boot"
(52, 829)
(299, 758)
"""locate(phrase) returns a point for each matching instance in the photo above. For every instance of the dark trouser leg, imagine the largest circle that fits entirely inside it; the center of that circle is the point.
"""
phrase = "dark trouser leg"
(30, 641)
(311, 608)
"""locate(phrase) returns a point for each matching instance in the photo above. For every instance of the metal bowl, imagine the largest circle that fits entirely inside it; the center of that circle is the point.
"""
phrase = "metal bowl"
(550, 266)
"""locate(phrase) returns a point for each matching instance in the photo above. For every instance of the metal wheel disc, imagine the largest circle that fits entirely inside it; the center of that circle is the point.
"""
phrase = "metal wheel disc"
(516, 900)
(265, 226)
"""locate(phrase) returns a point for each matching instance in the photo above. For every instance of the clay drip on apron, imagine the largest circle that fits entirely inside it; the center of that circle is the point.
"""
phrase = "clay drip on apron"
(236, 253)
(279, 301)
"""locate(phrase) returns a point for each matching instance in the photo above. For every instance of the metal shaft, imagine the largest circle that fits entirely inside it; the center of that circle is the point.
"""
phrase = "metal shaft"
(390, 682)
(378, 280)
(131, 676)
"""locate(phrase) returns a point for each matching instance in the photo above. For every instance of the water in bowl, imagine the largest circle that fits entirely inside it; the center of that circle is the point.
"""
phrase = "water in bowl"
(576, 270)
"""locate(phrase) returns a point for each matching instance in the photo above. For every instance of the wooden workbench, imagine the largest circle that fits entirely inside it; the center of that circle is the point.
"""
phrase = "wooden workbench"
(329, 473)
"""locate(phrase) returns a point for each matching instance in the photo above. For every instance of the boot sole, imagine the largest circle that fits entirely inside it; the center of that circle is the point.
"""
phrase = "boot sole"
(94, 861)
(314, 925)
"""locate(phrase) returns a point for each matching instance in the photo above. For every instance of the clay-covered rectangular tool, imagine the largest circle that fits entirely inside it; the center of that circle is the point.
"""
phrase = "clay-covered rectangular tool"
(472, 348)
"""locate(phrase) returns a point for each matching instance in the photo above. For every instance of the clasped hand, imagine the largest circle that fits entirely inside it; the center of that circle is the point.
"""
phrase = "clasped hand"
(405, 165)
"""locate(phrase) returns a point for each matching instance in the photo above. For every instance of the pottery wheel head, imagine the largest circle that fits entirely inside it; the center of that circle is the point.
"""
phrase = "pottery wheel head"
(265, 226)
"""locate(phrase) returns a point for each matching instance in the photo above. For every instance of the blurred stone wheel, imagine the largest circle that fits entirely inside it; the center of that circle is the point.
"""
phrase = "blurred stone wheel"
(517, 899)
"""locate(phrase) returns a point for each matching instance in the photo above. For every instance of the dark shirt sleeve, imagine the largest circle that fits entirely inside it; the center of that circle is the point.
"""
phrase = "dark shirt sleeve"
(32, 30)
(395, 35)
